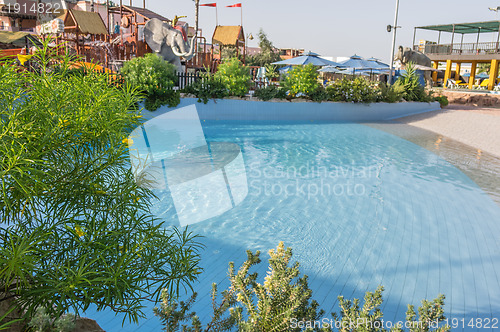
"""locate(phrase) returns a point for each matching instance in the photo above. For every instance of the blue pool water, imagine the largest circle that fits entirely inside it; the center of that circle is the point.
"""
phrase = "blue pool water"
(360, 208)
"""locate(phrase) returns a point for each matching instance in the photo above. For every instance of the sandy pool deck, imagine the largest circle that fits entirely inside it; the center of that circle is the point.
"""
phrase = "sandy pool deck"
(474, 126)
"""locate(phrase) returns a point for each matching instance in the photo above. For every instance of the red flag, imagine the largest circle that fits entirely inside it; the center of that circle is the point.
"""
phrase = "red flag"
(236, 5)
(209, 4)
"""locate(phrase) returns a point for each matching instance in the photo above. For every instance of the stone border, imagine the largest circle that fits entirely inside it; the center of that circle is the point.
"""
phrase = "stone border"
(250, 110)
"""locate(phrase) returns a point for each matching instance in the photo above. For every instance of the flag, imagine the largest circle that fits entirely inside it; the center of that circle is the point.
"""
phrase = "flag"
(236, 5)
(209, 4)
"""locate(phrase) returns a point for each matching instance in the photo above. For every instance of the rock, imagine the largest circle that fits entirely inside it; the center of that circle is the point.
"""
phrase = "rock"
(300, 100)
(471, 98)
(83, 324)
(4, 308)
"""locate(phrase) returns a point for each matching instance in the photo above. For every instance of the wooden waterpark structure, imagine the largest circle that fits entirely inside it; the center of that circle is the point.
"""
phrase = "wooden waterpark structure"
(456, 53)
(90, 31)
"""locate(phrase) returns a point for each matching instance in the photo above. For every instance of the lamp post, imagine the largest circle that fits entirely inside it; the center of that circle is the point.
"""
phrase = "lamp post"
(248, 36)
(393, 28)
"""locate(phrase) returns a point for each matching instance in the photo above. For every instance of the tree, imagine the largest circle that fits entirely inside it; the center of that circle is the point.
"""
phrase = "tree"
(77, 228)
(267, 54)
(483, 68)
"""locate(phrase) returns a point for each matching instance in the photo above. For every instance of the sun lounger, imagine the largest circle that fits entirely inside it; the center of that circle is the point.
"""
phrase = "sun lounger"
(452, 84)
(483, 85)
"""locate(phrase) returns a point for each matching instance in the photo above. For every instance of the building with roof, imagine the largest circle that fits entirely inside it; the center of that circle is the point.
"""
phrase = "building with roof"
(16, 15)
(288, 53)
(456, 53)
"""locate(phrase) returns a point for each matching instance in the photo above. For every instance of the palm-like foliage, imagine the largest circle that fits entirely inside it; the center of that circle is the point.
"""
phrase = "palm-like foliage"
(76, 227)
(413, 90)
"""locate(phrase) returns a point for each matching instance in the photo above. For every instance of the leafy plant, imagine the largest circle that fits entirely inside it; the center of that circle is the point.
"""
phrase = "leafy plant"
(229, 52)
(267, 54)
(369, 315)
(413, 90)
(208, 87)
(269, 92)
(77, 227)
(172, 317)
(234, 76)
(284, 296)
(271, 72)
(357, 90)
(483, 68)
(319, 95)
(301, 80)
(443, 100)
(155, 78)
(390, 93)
(43, 322)
(352, 317)
(284, 303)
(250, 306)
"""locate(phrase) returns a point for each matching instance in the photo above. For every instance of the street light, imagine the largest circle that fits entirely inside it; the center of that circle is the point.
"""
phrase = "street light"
(250, 37)
(393, 28)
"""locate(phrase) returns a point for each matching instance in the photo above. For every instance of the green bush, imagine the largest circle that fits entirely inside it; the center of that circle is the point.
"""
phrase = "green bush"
(43, 322)
(77, 227)
(443, 100)
(390, 93)
(208, 87)
(234, 76)
(301, 80)
(319, 95)
(155, 78)
(413, 90)
(358, 90)
(269, 92)
(284, 298)
(271, 72)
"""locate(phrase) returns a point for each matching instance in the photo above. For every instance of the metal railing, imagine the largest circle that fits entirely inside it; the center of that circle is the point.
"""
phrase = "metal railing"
(186, 79)
(459, 48)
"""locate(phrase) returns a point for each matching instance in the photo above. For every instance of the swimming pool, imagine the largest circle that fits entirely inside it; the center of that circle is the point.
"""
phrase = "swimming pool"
(359, 206)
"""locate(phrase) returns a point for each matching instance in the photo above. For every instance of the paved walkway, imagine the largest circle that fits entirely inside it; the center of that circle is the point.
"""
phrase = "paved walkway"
(477, 127)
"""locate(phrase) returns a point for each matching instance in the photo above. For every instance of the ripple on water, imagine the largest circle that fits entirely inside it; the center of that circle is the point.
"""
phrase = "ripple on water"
(416, 224)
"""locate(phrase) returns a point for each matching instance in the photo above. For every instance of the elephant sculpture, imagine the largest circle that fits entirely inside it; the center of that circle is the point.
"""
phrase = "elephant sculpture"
(406, 55)
(168, 42)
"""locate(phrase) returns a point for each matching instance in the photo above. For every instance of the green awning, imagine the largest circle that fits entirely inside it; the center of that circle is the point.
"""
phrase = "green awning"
(16, 39)
(481, 27)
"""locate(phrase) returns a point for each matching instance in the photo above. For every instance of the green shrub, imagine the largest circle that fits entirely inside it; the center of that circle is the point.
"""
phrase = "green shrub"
(271, 72)
(208, 87)
(234, 76)
(443, 100)
(155, 78)
(358, 90)
(390, 93)
(43, 322)
(413, 90)
(284, 298)
(251, 306)
(301, 80)
(319, 95)
(77, 230)
(269, 92)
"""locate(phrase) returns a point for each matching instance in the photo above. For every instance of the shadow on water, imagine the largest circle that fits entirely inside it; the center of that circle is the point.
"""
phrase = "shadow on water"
(422, 227)
(215, 259)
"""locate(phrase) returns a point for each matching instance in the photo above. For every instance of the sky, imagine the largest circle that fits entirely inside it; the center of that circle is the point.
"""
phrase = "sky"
(331, 27)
